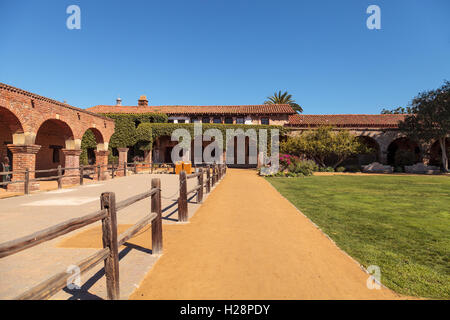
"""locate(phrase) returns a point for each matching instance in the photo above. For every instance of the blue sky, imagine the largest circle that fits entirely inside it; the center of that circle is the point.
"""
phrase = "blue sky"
(214, 52)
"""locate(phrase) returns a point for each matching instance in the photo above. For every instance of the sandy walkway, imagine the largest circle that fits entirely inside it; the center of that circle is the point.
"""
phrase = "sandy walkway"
(248, 242)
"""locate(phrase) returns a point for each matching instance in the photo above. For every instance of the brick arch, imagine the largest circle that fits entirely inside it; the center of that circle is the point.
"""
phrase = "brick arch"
(435, 152)
(10, 126)
(53, 136)
(97, 134)
(374, 155)
(406, 144)
(10, 120)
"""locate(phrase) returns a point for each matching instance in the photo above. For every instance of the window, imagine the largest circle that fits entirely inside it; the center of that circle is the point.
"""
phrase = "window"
(229, 120)
(194, 120)
(217, 120)
(205, 119)
(170, 121)
(181, 121)
(55, 156)
(240, 120)
(264, 120)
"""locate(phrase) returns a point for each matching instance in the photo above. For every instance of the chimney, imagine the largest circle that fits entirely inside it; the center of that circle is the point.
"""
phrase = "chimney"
(118, 101)
(143, 102)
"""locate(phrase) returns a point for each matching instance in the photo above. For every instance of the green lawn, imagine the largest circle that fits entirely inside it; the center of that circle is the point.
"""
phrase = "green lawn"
(400, 223)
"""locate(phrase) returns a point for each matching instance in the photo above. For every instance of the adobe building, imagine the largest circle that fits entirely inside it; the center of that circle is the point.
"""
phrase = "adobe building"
(238, 114)
(380, 132)
(39, 133)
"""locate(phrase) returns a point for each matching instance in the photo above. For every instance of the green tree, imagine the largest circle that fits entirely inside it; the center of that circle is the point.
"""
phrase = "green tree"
(430, 118)
(284, 98)
(399, 110)
(323, 143)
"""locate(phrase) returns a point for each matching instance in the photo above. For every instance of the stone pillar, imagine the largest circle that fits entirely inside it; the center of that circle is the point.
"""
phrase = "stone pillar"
(23, 157)
(223, 157)
(101, 158)
(72, 160)
(157, 151)
(425, 149)
(260, 159)
(123, 158)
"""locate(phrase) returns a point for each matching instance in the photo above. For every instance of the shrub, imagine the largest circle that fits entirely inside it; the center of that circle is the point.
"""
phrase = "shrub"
(353, 168)
(340, 169)
(326, 169)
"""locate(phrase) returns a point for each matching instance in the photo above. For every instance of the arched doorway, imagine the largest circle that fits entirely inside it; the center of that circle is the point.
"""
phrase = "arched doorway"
(52, 137)
(9, 125)
(402, 152)
(373, 155)
(436, 153)
(91, 138)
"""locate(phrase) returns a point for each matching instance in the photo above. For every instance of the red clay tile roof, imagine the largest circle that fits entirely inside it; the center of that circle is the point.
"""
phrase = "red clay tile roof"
(198, 110)
(346, 120)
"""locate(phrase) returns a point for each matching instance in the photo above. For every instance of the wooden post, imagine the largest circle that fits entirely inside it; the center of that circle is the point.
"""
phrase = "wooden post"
(200, 183)
(213, 175)
(112, 171)
(59, 177)
(157, 241)
(124, 169)
(208, 179)
(109, 229)
(135, 168)
(27, 181)
(81, 175)
(99, 168)
(182, 200)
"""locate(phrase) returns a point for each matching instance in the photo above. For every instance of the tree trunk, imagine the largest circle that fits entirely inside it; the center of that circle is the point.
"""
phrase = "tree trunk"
(338, 163)
(444, 154)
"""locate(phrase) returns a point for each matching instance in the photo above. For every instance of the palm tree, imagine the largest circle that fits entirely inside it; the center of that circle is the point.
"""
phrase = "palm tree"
(284, 98)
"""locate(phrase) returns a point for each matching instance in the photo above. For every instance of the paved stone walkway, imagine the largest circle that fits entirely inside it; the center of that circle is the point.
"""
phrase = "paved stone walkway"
(248, 242)
(23, 215)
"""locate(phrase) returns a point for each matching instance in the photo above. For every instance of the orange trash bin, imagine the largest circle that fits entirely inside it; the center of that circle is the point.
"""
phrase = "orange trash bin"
(187, 166)
(178, 167)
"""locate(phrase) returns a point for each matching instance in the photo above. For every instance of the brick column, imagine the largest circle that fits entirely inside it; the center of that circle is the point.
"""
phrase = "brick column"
(101, 158)
(123, 158)
(148, 156)
(23, 157)
(72, 160)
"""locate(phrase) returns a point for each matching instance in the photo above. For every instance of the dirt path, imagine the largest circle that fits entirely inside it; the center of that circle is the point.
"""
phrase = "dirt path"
(248, 242)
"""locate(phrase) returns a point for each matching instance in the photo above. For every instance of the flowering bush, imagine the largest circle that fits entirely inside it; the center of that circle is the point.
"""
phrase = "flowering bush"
(287, 160)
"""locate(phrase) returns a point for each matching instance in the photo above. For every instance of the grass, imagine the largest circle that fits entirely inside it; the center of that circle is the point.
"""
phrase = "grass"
(400, 223)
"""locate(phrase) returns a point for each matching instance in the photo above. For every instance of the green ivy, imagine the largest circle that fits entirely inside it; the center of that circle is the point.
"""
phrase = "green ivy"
(144, 136)
(88, 141)
(125, 134)
(143, 129)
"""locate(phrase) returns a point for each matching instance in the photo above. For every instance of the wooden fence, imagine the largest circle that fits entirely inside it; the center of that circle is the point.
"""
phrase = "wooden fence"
(111, 241)
(96, 171)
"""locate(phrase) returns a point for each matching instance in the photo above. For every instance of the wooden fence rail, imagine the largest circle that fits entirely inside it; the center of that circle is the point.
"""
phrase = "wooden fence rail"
(111, 241)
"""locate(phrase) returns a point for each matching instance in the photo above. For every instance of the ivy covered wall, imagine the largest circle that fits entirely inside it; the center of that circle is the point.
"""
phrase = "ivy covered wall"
(140, 130)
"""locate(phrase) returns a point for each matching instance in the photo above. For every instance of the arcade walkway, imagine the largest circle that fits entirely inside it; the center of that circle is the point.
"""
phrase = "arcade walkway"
(247, 242)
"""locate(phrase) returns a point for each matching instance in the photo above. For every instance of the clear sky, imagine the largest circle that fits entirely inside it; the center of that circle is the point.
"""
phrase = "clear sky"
(223, 52)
